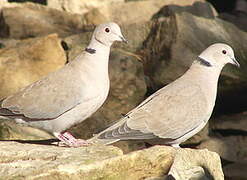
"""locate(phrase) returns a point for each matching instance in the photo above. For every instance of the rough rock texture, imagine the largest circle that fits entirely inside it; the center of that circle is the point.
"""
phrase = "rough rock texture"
(102, 162)
(36, 20)
(80, 7)
(28, 61)
(9, 130)
(198, 8)
(192, 164)
(233, 123)
(236, 171)
(237, 18)
(131, 12)
(42, 20)
(224, 147)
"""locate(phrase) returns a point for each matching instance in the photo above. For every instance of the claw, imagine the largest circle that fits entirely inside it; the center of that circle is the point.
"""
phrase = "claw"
(68, 139)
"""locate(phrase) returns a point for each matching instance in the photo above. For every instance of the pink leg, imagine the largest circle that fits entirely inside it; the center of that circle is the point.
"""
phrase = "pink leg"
(69, 140)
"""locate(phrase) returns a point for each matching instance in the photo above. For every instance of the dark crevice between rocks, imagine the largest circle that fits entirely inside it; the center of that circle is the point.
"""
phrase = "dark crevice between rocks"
(156, 48)
(4, 28)
(44, 2)
(229, 132)
(225, 162)
(66, 49)
(190, 145)
(207, 175)
(223, 6)
(231, 101)
(2, 45)
(40, 142)
(170, 177)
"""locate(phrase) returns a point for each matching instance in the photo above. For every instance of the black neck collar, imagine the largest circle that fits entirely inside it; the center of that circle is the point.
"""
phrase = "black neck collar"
(203, 62)
(90, 50)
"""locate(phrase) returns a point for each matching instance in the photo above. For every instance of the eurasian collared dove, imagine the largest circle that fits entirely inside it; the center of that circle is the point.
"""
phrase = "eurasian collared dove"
(70, 95)
(179, 110)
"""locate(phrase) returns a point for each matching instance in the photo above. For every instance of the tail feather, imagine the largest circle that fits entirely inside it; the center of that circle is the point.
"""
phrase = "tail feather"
(98, 139)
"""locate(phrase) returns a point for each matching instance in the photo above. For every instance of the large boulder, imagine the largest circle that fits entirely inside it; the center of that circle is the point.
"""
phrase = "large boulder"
(79, 7)
(30, 20)
(9, 130)
(105, 162)
(42, 20)
(131, 12)
(28, 61)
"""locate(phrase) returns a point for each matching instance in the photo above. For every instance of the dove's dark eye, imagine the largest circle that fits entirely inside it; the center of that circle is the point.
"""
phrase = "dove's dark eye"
(107, 30)
(224, 51)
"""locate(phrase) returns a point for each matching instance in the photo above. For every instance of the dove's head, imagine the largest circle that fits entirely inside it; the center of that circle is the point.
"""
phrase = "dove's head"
(218, 55)
(108, 33)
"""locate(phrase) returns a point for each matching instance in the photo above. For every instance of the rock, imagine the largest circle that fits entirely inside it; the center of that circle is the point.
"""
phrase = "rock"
(231, 148)
(231, 124)
(236, 170)
(196, 164)
(100, 162)
(128, 13)
(52, 162)
(198, 8)
(237, 18)
(31, 20)
(9, 130)
(199, 137)
(3, 2)
(28, 61)
(6, 43)
(79, 7)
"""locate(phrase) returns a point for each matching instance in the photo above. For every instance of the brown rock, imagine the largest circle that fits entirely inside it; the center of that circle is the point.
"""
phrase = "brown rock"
(79, 7)
(30, 20)
(231, 148)
(9, 130)
(231, 122)
(196, 164)
(102, 162)
(198, 8)
(131, 12)
(237, 171)
(199, 137)
(28, 61)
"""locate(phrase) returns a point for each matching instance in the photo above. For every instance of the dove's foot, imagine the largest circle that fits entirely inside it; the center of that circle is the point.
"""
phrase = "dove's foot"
(68, 139)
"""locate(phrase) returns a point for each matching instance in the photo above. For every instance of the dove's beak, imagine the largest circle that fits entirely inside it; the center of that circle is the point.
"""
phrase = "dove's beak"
(123, 39)
(235, 62)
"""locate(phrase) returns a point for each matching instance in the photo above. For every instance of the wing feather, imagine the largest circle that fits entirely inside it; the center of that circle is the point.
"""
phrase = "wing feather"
(169, 113)
(47, 98)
